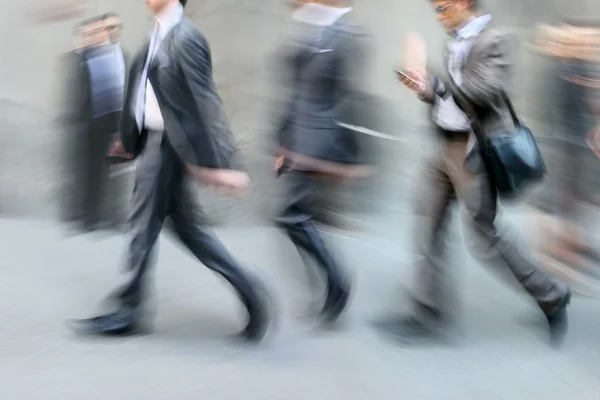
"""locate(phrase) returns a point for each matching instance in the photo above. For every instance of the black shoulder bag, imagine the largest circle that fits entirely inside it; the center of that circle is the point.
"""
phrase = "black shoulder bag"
(512, 159)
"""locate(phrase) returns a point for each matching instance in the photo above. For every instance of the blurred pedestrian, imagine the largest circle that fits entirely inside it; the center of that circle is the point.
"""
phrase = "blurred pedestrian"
(120, 162)
(575, 47)
(94, 100)
(475, 76)
(323, 56)
(174, 122)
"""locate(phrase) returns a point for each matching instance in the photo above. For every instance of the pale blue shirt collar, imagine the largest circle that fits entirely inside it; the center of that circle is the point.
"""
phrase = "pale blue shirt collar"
(168, 19)
(474, 27)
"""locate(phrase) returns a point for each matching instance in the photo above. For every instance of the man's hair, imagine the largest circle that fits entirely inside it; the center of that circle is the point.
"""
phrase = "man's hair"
(111, 14)
(89, 21)
(473, 4)
(183, 2)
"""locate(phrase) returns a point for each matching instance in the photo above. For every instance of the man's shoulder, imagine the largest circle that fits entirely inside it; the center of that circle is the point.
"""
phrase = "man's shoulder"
(495, 33)
(186, 30)
(353, 33)
(348, 25)
(70, 56)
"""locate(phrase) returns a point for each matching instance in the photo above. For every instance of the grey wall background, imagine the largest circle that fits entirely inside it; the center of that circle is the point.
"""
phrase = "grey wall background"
(243, 35)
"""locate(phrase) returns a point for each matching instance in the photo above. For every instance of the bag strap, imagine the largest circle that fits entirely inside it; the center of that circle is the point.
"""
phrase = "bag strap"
(483, 142)
(468, 108)
(511, 109)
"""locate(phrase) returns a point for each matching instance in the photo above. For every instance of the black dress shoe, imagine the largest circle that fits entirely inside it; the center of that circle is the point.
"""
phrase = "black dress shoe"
(337, 300)
(259, 314)
(558, 323)
(120, 323)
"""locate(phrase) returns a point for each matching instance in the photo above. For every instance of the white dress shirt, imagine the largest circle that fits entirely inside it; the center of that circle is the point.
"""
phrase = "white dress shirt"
(319, 14)
(447, 114)
(147, 108)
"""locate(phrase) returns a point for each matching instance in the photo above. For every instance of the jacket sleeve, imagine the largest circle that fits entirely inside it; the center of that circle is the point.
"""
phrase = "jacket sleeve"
(353, 53)
(218, 149)
(484, 77)
(128, 129)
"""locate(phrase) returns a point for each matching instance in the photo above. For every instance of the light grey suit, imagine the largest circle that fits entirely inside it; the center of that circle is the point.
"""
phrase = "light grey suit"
(456, 171)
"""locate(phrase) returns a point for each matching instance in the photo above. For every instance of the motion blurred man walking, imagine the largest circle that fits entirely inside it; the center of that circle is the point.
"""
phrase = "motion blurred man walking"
(477, 69)
(173, 118)
(322, 57)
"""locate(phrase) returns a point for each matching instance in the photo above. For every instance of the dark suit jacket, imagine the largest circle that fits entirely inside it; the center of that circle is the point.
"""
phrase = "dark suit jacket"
(181, 76)
(77, 111)
(324, 75)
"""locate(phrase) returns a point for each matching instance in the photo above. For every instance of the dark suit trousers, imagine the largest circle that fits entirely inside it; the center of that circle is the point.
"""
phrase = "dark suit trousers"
(161, 191)
(94, 173)
(300, 205)
(446, 180)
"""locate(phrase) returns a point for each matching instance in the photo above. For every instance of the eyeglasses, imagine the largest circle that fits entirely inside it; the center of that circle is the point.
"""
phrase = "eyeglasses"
(441, 9)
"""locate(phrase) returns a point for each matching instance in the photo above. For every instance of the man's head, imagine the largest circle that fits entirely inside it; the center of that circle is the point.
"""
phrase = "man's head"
(113, 25)
(330, 3)
(93, 31)
(454, 13)
(156, 6)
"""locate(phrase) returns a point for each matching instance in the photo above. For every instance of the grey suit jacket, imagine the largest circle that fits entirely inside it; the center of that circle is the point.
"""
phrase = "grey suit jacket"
(195, 121)
(323, 74)
(485, 74)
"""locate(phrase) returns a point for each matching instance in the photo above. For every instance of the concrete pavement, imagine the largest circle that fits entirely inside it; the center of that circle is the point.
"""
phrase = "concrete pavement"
(48, 277)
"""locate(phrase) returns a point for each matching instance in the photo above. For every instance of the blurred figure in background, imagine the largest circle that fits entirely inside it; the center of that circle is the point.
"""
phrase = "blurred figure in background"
(114, 26)
(575, 46)
(95, 99)
(71, 121)
(475, 75)
(323, 58)
(119, 160)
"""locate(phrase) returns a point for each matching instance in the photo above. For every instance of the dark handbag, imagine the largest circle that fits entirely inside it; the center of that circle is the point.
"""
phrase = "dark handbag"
(512, 159)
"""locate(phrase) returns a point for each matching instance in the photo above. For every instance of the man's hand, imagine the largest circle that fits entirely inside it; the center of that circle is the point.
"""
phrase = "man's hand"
(418, 83)
(279, 163)
(234, 183)
(117, 150)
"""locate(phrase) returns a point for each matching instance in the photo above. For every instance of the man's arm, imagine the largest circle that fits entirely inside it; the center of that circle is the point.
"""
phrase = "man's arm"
(215, 131)
(354, 58)
(427, 95)
(484, 77)
(129, 133)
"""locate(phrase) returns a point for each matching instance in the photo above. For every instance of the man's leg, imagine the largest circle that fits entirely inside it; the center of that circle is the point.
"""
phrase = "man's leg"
(208, 249)
(480, 200)
(96, 178)
(296, 218)
(149, 208)
(150, 204)
(433, 299)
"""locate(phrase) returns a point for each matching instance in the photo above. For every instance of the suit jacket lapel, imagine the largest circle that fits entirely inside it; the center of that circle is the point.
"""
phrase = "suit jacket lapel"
(475, 50)
(135, 72)
(161, 56)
